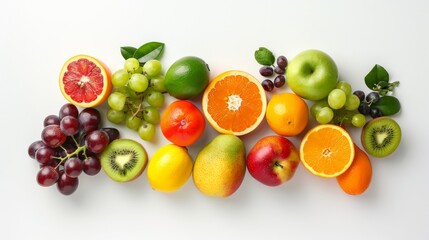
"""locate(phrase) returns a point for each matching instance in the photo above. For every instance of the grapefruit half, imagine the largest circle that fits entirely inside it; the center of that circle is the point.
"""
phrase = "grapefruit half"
(85, 81)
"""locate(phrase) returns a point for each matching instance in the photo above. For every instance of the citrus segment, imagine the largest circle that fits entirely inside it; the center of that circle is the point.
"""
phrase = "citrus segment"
(85, 81)
(234, 103)
(327, 150)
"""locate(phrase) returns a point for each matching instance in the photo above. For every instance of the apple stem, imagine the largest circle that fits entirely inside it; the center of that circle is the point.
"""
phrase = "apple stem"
(278, 164)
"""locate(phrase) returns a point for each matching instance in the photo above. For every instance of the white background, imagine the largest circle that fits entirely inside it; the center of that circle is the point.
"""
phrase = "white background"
(37, 37)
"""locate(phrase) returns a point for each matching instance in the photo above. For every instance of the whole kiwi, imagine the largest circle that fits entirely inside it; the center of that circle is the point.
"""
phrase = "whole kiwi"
(381, 136)
(124, 160)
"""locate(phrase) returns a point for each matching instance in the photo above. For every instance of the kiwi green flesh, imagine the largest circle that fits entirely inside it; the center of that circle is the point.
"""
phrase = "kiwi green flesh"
(124, 160)
(381, 136)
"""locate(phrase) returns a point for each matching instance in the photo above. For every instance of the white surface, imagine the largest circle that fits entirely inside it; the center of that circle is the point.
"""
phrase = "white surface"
(38, 36)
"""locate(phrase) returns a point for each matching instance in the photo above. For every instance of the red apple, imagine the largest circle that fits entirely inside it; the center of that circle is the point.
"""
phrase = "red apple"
(273, 160)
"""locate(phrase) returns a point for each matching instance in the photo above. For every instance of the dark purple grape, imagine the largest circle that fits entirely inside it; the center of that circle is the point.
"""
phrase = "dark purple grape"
(44, 155)
(279, 70)
(279, 81)
(364, 108)
(375, 113)
(67, 185)
(68, 109)
(69, 125)
(360, 94)
(52, 136)
(268, 85)
(34, 147)
(266, 71)
(89, 120)
(96, 141)
(372, 97)
(51, 120)
(282, 62)
(47, 176)
(91, 165)
(113, 133)
(73, 167)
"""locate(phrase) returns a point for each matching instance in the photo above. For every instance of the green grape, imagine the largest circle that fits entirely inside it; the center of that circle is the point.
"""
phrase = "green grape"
(345, 86)
(155, 99)
(120, 89)
(158, 83)
(324, 115)
(336, 99)
(358, 120)
(138, 82)
(146, 131)
(115, 116)
(352, 102)
(139, 70)
(116, 101)
(152, 68)
(120, 78)
(132, 122)
(317, 106)
(151, 115)
(131, 65)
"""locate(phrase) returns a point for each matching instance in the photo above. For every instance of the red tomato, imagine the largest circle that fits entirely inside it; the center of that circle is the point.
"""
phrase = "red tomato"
(182, 123)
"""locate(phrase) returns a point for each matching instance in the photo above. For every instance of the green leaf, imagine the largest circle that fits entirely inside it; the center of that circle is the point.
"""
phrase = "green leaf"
(376, 75)
(264, 56)
(128, 52)
(388, 105)
(149, 51)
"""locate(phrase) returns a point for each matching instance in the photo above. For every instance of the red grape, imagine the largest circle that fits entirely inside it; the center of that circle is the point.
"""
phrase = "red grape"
(89, 120)
(47, 176)
(279, 70)
(69, 125)
(67, 185)
(279, 81)
(51, 120)
(91, 165)
(266, 71)
(34, 147)
(68, 109)
(73, 167)
(112, 132)
(96, 141)
(44, 155)
(268, 85)
(282, 62)
(52, 136)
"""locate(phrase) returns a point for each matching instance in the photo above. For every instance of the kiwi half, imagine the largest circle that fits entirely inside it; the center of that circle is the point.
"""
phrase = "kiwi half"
(124, 160)
(381, 136)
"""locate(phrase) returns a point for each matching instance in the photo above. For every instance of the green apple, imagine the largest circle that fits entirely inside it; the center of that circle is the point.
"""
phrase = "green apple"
(312, 74)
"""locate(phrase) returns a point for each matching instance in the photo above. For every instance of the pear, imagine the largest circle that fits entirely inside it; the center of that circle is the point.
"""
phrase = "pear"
(220, 166)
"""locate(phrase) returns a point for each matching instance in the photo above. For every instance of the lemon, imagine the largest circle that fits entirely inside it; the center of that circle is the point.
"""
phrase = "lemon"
(169, 168)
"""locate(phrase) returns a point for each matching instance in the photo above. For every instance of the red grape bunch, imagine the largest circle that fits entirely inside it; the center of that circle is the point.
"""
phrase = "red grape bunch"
(70, 144)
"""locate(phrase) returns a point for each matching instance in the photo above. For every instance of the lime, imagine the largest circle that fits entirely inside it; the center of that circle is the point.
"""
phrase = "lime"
(187, 77)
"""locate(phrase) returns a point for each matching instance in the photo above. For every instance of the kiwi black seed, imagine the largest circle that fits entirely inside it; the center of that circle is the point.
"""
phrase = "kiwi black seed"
(381, 136)
(124, 160)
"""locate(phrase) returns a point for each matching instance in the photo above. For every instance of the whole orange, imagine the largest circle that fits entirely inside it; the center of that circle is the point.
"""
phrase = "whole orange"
(358, 176)
(287, 114)
(182, 123)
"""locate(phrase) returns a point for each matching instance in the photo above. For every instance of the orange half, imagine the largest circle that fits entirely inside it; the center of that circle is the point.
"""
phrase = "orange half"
(85, 81)
(327, 150)
(234, 103)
